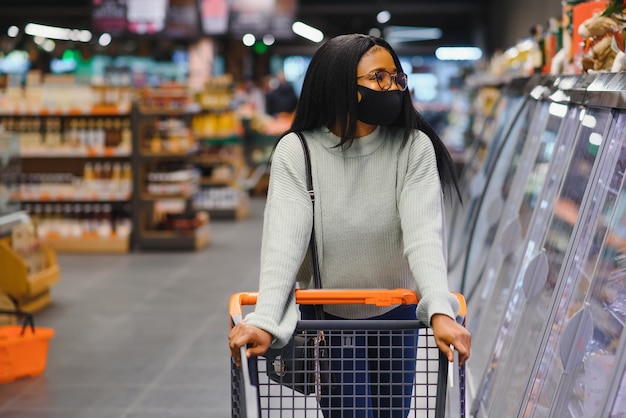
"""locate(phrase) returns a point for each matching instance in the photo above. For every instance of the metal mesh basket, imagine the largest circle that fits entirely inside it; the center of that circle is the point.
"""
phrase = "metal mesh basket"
(369, 368)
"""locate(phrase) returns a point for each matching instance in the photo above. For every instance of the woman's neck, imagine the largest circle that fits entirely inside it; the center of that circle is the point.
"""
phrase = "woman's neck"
(362, 129)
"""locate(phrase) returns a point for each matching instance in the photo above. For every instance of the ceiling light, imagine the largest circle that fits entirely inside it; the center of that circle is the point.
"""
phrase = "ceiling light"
(269, 39)
(411, 33)
(248, 39)
(458, 53)
(383, 16)
(13, 31)
(307, 32)
(53, 32)
(104, 39)
(48, 45)
(375, 32)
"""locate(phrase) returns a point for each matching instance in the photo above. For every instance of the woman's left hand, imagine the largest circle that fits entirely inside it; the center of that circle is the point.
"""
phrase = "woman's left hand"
(450, 333)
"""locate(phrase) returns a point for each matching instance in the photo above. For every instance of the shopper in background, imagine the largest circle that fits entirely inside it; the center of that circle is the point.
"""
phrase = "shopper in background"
(249, 99)
(281, 97)
(379, 175)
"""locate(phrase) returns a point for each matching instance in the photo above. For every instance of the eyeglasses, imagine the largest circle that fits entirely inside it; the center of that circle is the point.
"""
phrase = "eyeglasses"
(385, 78)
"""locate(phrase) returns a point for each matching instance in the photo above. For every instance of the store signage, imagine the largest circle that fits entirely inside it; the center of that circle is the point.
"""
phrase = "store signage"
(214, 16)
(262, 17)
(146, 16)
(109, 16)
(182, 19)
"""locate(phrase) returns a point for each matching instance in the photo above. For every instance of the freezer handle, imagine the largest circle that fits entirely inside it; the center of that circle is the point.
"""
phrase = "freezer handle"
(378, 297)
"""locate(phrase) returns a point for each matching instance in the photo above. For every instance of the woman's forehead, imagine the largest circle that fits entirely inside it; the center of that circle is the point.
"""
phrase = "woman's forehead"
(376, 57)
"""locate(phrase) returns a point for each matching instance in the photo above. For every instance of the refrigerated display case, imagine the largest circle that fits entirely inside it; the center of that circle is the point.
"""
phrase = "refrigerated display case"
(550, 129)
(476, 171)
(546, 251)
(578, 366)
(616, 391)
(523, 138)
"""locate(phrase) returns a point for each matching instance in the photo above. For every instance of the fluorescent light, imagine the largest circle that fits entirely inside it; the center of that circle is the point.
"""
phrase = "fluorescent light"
(307, 32)
(383, 16)
(248, 39)
(48, 45)
(462, 53)
(53, 32)
(269, 39)
(411, 33)
(104, 39)
(44, 31)
(375, 32)
(13, 31)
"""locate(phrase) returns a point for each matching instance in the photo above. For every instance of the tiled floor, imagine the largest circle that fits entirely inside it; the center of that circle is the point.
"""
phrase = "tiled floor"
(142, 335)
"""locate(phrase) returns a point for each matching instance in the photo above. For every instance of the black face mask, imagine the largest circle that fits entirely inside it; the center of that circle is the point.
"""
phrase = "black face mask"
(379, 107)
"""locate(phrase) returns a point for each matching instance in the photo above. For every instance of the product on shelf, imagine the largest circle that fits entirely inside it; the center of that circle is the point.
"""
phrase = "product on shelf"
(166, 134)
(25, 242)
(60, 94)
(217, 93)
(218, 124)
(100, 182)
(171, 178)
(9, 172)
(79, 220)
(166, 97)
(165, 177)
(70, 136)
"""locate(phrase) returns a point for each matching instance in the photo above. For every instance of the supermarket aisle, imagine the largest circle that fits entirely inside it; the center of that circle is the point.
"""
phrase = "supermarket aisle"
(142, 335)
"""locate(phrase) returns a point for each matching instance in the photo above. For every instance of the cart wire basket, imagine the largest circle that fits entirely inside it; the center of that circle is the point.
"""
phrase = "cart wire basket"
(365, 368)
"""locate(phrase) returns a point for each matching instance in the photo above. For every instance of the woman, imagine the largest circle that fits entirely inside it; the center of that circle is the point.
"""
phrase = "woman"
(379, 172)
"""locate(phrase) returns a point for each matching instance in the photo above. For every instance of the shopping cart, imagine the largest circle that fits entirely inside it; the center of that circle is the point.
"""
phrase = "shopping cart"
(432, 389)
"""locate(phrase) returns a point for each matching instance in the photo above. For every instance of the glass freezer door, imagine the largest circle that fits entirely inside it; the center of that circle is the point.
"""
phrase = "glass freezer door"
(472, 183)
(535, 277)
(543, 159)
(571, 373)
(496, 190)
(489, 204)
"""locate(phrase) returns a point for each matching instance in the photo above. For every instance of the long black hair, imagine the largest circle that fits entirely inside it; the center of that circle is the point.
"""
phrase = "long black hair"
(329, 99)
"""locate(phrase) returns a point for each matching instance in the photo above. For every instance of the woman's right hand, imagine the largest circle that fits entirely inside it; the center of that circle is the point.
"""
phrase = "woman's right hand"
(448, 332)
(242, 334)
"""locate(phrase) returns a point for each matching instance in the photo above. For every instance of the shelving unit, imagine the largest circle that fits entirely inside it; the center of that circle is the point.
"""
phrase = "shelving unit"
(220, 158)
(261, 132)
(27, 268)
(9, 176)
(76, 176)
(165, 180)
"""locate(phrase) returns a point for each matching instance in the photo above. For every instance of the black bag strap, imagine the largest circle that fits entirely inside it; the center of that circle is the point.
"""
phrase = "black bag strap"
(317, 278)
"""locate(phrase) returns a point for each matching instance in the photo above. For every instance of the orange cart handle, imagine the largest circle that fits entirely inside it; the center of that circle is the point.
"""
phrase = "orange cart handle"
(378, 297)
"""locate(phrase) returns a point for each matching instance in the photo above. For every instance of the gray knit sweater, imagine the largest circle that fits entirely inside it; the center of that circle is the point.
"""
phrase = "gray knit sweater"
(379, 224)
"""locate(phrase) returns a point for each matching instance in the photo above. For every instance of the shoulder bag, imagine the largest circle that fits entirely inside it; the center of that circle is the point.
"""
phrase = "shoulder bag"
(303, 363)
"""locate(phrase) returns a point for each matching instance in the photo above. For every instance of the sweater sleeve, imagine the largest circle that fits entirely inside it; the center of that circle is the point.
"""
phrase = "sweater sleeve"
(287, 228)
(421, 208)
